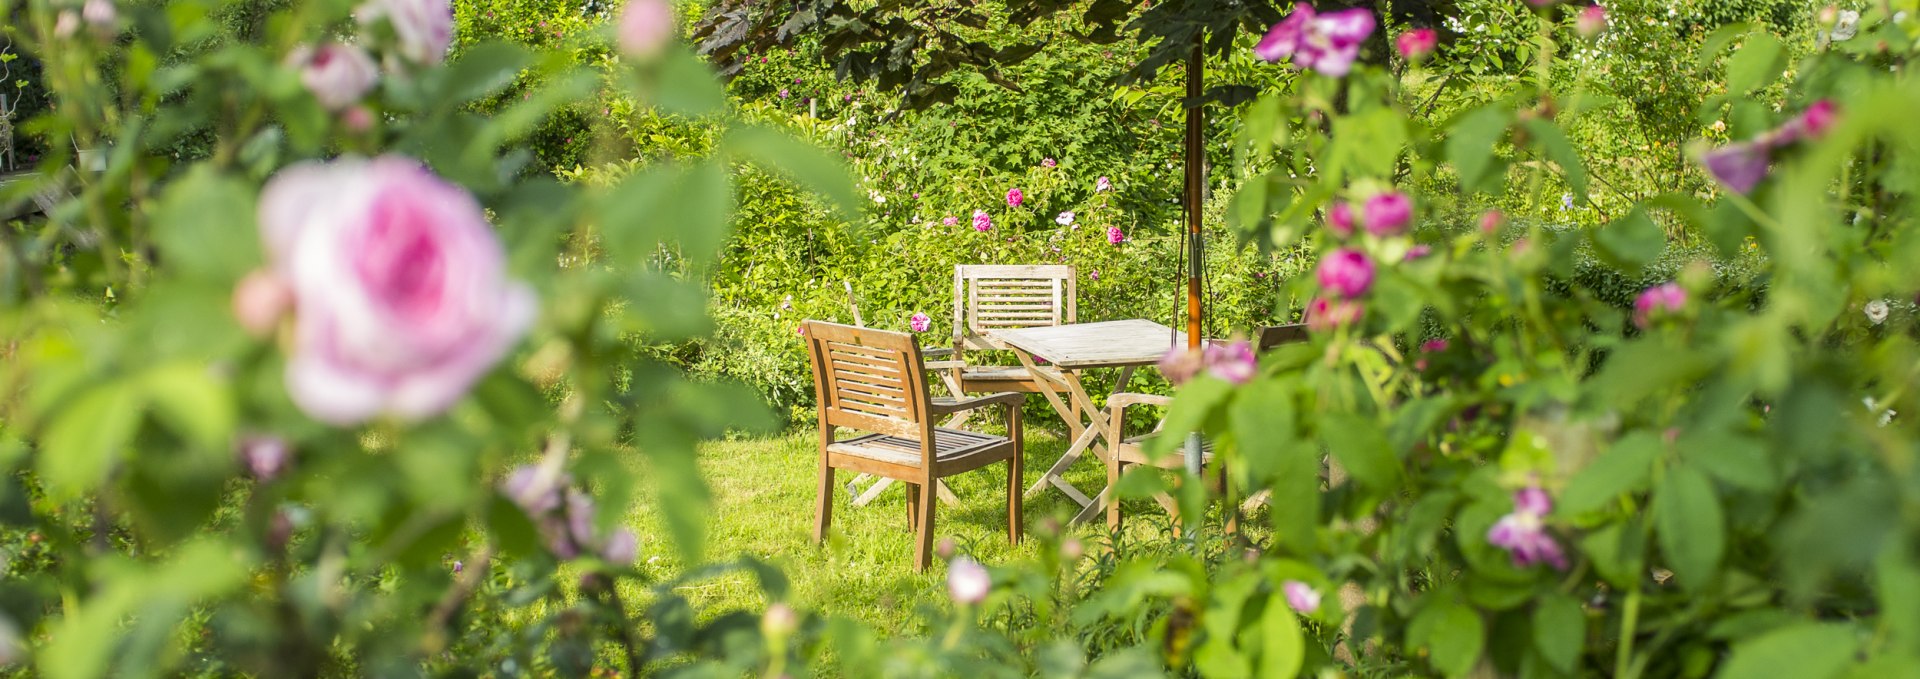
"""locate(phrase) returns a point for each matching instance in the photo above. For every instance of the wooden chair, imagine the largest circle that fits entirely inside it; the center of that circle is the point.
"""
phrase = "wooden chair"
(872, 492)
(1131, 451)
(999, 297)
(874, 381)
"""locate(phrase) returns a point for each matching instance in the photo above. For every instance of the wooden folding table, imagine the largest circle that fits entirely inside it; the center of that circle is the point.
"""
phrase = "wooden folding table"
(1074, 349)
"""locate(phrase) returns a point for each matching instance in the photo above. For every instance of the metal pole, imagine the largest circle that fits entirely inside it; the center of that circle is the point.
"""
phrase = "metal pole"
(1196, 184)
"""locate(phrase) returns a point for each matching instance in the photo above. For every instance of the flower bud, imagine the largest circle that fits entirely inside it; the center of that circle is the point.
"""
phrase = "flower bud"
(645, 28)
(779, 622)
(968, 581)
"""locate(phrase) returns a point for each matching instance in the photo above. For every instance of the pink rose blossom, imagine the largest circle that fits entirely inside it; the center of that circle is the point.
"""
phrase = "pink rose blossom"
(1591, 21)
(1048, 163)
(1181, 364)
(1812, 123)
(920, 322)
(265, 456)
(1416, 44)
(1388, 213)
(1014, 197)
(1418, 251)
(1325, 43)
(950, 220)
(1233, 361)
(1115, 235)
(1523, 532)
(1659, 300)
(424, 27)
(1739, 166)
(399, 287)
(645, 28)
(1346, 273)
(982, 221)
(968, 581)
(1340, 219)
(1065, 218)
(260, 300)
(1491, 222)
(1301, 597)
(1327, 315)
(101, 14)
(1102, 185)
(1427, 350)
(783, 93)
(337, 75)
(1095, 275)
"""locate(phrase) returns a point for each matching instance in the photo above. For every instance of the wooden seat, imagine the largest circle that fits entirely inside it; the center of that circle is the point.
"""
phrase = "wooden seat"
(1001, 297)
(875, 382)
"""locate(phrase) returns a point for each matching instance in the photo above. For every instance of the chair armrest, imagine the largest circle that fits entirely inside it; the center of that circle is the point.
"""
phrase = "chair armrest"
(1122, 400)
(944, 365)
(1009, 399)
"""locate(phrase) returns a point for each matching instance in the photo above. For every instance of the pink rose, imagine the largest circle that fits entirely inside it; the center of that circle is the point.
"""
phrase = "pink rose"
(920, 322)
(1327, 43)
(1340, 219)
(1324, 315)
(982, 221)
(1014, 197)
(1048, 163)
(337, 75)
(1301, 597)
(968, 581)
(645, 28)
(1591, 21)
(1115, 235)
(1491, 222)
(1102, 185)
(1346, 272)
(1233, 362)
(1416, 44)
(424, 27)
(399, 286)
(1657, 301)
(950, 220)
(1388, 213)
(1180, 364)
(101, 14)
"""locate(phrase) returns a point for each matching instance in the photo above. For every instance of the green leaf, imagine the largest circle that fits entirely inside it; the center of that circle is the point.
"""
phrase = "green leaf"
(1554, 144)
(193, 402)
(1687, 519)
(1471, 141)
(686, 205)
(87, 437)
(805, 163)
(1263, 426)
(1559, 631)
(204, 226)
(1804, 651)
(1733, 459)
(683, 85)
(1631, 242)
(1451, 633)
(1283, 647)
(1360, 446)
(481, 70)
(1623, 468)
(1756, 64)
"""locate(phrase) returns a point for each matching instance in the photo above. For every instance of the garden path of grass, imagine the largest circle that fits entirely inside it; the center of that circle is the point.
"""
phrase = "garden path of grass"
(763, 505)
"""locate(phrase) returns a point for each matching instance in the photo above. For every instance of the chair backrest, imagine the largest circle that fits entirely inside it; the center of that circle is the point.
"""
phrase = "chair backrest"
(867, 379)
(1266, 338)
(998, 297)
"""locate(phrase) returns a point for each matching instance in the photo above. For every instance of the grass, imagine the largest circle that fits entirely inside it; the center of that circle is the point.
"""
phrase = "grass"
(763, 506)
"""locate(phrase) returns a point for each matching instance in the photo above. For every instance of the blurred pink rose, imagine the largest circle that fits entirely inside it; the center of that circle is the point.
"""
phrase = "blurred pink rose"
(1388, 213)
(424, 27)
(1325, 314)
(1180, 364)
(950, 220)
(101, 14)
(1657, 301)
(645, 28)
(1491, 222)
(337, 75)
(1327, 43)
(1340, 219)
(1346, 272)
(1416, 44)
(1591, 21)
(1232, 361)
(968, 581)
(1301, 597)
(399, 287)
(1048, 163)
(982, 221)
(1102, 185)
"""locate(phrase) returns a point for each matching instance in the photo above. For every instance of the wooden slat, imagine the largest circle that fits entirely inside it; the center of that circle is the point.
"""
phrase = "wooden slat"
(1094, 345)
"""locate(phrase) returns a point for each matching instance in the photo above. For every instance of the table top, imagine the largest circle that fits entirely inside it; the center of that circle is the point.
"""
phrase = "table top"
(1107, 344)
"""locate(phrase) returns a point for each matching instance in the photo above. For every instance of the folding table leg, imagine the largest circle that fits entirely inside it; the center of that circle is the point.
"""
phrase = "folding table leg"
(946, 494)
(1060, 466)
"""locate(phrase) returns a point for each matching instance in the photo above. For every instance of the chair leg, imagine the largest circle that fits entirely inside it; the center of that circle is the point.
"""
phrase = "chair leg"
(1113, 503)
(923, 531)
(823, 509)
(913, 507)
(1016, 479)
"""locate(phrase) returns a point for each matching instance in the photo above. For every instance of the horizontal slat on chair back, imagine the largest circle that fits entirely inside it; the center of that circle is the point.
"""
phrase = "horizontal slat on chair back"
(1005, 297)
(1272, 336)
(868, 379)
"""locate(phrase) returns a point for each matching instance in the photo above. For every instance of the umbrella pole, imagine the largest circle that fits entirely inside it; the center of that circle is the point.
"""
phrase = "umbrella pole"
(1196, 160)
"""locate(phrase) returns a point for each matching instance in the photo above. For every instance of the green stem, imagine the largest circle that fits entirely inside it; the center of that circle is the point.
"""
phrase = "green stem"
(1629, 620)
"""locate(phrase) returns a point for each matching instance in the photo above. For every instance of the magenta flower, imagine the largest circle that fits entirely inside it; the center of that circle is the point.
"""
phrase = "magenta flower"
(1014, 197)
(1491, 222)
(1388, 213)
(337, 75)
(1659, 300)
(1326, 315)
(783, 93)
(1739, 166)
(982, 222)
(399, 287)
(1416, 44)
(1048, 163)
(645, 28)
(1233, 362)
(1428, 349)
(1812, 123)
(265, 456)
(424, 27)
(1591, 21)
(1102, 185)
(1340, 219)
(1115, 236)
(1095, 275)
(1301, 597)
(1181, 364)
(1524, 532)
(1418, 251)
(950, 220)
(1327, 44)
(968, 581)
(1346, 273)
(919, 322)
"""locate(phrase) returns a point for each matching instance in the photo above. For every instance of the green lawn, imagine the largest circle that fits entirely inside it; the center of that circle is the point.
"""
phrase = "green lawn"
(763, 492)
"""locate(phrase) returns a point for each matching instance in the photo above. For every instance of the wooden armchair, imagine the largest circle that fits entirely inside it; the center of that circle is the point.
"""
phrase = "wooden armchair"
(874, 382)
(998, 297)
